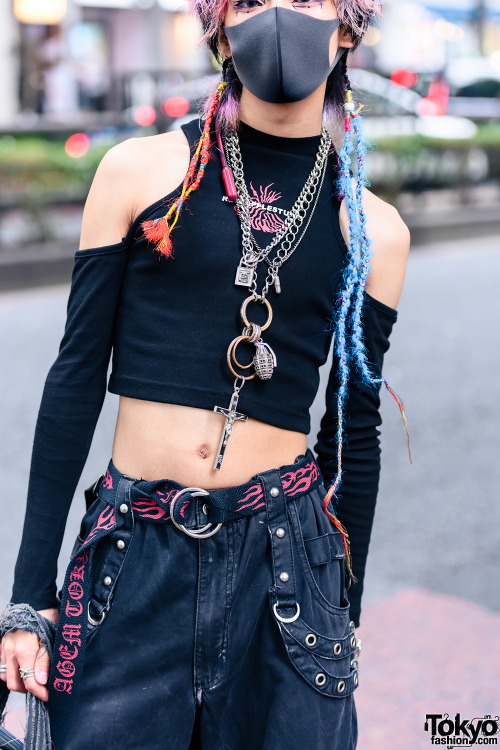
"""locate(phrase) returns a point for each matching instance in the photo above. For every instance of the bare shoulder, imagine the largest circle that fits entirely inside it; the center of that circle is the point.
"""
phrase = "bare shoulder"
(390, 245)
(131, 176)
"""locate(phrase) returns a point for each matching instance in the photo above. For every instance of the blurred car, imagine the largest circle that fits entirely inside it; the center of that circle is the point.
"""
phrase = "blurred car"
(391, 110)
(475, 87)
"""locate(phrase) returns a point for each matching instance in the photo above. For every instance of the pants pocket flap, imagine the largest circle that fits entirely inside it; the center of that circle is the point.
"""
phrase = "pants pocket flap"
(322, 549)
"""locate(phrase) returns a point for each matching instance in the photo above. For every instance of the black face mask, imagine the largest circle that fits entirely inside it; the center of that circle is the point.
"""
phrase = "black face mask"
(282, 55)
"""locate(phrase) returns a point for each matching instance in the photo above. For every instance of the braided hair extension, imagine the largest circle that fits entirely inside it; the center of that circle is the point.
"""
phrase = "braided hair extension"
(159, 230)
(349, 342)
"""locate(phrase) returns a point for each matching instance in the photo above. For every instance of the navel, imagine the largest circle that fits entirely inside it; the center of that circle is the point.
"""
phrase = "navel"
(204, 451)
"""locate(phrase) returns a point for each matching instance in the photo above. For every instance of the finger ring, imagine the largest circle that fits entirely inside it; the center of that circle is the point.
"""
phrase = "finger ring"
(3, 668)
(28, 672)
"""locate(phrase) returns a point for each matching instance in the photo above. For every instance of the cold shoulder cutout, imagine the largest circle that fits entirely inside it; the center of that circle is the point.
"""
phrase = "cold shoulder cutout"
(102, 250)
(391, 311)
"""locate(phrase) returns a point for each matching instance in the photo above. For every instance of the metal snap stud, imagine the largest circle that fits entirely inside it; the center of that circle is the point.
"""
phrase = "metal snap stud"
(123, 508)
(351, 624)
(205, 509)
(311, 639)
(355, 678)
(353, 640)
(320, 679)
(337, 649)
(284, 576)
(274, 492)
(120, 544)
(280, 532)
(107, 580)
(341, 686)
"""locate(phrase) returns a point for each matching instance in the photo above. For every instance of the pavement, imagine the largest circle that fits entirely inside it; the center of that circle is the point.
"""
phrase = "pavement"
(430, 620)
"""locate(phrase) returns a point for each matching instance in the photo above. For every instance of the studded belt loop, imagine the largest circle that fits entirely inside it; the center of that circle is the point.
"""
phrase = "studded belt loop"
(120, 540)
(284, 589)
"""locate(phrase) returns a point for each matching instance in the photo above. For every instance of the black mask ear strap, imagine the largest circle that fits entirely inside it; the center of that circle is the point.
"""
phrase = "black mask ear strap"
(227, 69)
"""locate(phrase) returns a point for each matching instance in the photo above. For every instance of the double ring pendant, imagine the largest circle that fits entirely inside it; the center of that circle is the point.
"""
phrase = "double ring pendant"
(264, 360)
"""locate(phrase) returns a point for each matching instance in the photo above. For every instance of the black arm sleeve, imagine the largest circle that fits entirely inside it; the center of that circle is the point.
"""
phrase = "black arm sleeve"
(361, 447)
(71, 403)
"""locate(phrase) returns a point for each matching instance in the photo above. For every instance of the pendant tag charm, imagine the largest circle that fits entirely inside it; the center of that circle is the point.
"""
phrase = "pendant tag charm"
(277, 285)
(244, 275)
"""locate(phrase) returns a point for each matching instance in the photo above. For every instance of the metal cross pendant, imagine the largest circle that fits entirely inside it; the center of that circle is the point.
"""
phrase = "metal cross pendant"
(231, 416)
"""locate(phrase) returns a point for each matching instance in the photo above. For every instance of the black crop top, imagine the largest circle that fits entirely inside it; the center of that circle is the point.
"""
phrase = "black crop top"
(168, 323)
(177, 316)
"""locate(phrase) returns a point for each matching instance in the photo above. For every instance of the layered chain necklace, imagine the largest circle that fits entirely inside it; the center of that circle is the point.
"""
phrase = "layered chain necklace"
(264, 360)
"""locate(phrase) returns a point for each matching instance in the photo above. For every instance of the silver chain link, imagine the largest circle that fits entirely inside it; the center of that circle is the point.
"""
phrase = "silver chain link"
(297, 214)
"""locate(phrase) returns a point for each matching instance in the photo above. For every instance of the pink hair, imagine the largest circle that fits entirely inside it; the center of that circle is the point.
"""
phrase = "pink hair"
(354, 15)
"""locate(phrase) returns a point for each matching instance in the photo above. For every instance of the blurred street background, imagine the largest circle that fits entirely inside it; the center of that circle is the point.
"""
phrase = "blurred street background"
(77, 77)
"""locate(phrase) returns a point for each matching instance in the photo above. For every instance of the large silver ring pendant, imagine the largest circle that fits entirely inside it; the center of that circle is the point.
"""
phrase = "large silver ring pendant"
(198, 533)
(286, 619)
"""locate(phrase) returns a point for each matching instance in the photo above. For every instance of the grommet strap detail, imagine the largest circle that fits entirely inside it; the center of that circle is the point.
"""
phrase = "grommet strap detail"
(311, 639)
(320, 679)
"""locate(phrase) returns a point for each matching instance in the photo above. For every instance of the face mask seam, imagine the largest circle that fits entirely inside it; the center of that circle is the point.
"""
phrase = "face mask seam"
(278, 41)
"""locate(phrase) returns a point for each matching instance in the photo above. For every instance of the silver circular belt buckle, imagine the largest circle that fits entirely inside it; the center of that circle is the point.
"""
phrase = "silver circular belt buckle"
(197, 533)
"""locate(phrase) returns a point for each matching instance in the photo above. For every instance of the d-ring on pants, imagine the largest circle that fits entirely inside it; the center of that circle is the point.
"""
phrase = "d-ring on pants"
(237, 637)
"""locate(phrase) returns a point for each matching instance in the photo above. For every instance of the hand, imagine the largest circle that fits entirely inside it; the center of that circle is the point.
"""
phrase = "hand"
(21, 648)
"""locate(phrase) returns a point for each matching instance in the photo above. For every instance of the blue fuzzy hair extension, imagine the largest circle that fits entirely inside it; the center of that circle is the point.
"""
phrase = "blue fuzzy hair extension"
(358, 346)
(349, 344)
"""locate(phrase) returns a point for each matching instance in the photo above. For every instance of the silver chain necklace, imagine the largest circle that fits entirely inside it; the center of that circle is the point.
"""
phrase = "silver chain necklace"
(264, 360)
(252, 254)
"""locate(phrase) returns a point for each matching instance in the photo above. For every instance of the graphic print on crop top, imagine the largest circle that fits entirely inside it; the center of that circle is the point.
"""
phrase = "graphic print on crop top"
(266, 213)
(275, 171)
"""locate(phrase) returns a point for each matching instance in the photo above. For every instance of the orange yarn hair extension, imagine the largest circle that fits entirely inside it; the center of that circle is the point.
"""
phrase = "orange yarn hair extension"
(159, 230)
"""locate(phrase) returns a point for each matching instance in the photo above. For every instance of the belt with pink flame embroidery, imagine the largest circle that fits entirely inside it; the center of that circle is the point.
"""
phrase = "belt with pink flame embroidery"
(151, 499)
